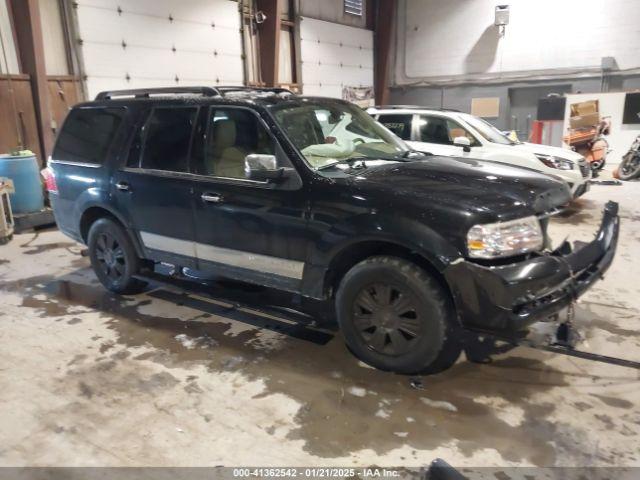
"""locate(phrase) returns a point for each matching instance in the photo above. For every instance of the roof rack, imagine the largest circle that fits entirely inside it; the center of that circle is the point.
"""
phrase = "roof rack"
(229, 89)
(147, 92)
(204, 91)
(414, 107)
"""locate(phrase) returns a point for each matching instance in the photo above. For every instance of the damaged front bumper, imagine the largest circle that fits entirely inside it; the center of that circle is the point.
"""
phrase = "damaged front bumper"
(508, 298)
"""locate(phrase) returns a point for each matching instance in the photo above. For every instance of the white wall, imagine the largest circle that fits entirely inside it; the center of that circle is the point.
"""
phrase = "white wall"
(610, 104)
(55, 47)
(9, 45)
(150, 36)
(334, 56)
(455, 39)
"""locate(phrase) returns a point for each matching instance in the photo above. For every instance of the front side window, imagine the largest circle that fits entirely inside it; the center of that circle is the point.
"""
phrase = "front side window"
(87, 134)
(327, 132)
(441, 130)
(233, 134)
(167, 138)
(398, 124)
(488, 131)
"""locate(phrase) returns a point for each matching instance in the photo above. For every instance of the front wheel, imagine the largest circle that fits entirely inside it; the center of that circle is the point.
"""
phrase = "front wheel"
(113, 257)
(598, 165)
(396, 317)
(630, 166)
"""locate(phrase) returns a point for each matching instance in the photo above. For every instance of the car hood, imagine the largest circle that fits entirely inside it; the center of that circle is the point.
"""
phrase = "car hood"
(477, 190)
(548, 150)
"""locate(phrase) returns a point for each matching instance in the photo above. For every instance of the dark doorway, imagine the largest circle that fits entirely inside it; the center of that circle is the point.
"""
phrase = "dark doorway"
(523, 106)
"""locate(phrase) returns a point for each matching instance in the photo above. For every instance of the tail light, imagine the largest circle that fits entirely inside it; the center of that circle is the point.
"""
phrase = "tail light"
(49, 180)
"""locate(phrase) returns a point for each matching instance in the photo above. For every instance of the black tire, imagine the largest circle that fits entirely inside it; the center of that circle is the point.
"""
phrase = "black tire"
(113, 257)
(630, 166)
(396, 317)
(598, 165)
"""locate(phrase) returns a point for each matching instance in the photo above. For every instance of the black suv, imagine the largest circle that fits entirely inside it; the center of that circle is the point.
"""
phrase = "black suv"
(313, 196)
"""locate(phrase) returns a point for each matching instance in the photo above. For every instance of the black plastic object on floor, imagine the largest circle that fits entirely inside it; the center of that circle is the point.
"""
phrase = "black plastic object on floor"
(606, 182)
(441, 470)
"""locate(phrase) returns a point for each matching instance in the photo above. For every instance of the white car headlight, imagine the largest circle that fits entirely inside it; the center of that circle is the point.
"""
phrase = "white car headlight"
(555, 162)
(505, 239)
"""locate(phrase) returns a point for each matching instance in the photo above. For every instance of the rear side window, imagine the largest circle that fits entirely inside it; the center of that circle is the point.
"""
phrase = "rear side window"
(398, 124)
(167, 138)
(87, 134)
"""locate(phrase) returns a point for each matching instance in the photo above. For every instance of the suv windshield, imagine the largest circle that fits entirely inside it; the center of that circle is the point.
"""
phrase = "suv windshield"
(328, 132)
(488, 131)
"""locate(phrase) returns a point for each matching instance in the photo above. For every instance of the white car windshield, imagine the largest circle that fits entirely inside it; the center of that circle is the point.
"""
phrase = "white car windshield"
(488, 131)
(331, 132)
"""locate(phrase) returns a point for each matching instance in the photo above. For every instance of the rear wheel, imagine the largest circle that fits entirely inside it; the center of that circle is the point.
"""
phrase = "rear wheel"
(113, 257)
(396, 317)
(630, 166)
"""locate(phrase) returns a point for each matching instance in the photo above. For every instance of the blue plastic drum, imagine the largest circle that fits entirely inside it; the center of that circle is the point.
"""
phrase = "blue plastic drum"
(25, 173)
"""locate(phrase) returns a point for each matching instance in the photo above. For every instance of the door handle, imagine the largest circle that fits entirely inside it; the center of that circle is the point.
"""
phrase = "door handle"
(212, 197)
(123, 186)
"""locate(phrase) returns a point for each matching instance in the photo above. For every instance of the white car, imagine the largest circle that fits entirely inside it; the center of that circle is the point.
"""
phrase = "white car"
(456, 134)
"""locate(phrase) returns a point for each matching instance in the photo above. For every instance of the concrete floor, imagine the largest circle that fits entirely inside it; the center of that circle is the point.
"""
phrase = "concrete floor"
(88, 378)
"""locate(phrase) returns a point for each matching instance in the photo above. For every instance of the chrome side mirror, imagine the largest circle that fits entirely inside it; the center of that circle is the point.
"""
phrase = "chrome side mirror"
(263, 168)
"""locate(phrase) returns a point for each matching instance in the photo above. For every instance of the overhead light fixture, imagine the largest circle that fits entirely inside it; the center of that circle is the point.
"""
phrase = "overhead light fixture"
(502, 18)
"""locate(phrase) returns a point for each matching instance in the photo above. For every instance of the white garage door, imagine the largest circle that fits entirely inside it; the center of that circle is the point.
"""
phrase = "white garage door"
(159, 43)
(334, 56)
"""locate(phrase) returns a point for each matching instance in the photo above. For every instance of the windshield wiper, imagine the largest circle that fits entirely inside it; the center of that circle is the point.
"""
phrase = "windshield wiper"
(350, 161)
(408, 153)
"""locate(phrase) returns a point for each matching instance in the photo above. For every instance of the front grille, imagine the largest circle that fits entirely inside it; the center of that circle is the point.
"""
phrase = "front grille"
(584, 168)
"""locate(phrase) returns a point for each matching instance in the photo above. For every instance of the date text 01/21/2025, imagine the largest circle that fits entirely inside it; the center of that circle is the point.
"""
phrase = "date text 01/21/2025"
(320, 472)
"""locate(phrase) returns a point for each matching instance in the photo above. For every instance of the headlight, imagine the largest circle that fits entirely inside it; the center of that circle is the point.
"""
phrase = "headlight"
(505, 239)
(555, 162)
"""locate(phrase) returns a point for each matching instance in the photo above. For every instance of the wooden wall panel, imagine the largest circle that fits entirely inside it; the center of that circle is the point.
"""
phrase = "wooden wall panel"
(64, 93)
(27, 122)
(270, 40)
(28, 30)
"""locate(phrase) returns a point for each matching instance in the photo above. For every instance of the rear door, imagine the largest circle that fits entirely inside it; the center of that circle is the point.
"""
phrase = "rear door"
(401, 124)
(154, 190)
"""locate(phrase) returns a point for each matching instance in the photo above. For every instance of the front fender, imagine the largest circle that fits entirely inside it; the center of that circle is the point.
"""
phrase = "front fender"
(403, 232)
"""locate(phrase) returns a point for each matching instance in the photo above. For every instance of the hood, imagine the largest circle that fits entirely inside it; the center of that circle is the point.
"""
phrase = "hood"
(548, 150)
(475, 190)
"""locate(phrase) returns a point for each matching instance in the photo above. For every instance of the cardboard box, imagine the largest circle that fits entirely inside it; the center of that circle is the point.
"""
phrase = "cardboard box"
(584, 108)
(581, 121)
(584, 114)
